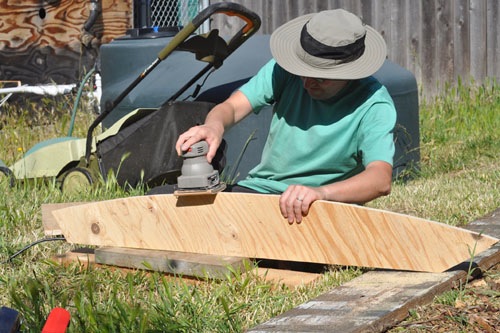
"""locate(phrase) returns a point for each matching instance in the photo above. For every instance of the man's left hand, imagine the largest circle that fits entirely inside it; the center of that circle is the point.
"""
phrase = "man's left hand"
(296, 200)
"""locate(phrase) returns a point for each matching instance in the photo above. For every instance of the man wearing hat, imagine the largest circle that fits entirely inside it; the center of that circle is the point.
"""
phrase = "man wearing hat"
(331, 135)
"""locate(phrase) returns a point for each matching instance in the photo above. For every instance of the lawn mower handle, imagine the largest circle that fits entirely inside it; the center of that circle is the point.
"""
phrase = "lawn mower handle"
(232, 9)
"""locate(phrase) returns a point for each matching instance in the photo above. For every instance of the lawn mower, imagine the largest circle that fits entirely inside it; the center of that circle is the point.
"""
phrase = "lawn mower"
(139, 147)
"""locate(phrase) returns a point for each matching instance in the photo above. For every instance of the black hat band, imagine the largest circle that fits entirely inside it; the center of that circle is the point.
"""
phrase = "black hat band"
(343, 54)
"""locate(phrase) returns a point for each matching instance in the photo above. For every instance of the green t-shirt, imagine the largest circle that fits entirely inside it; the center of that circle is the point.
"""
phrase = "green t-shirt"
(313, 142)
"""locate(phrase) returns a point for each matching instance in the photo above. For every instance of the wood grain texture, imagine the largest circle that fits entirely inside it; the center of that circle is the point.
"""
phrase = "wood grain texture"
(59, 23)
(251, 226)
(50, 226)
(290, 278)
(378, 300)
(44, 41)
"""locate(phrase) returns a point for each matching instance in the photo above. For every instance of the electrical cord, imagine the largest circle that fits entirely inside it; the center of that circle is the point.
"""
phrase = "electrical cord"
(199, 86)
(27, 247)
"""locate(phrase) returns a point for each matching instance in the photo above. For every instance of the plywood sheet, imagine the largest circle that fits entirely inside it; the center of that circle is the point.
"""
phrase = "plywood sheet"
(251, 226)
(45, 41)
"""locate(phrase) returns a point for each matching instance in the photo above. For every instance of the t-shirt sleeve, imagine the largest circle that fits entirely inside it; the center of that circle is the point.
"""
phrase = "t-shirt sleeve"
(376, 135)
(259, 89)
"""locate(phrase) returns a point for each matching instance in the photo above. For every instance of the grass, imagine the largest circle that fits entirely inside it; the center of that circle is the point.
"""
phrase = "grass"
(459, 178)
(458, 181)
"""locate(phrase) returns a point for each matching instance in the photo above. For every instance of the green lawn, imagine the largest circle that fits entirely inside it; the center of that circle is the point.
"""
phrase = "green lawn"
(458, 182)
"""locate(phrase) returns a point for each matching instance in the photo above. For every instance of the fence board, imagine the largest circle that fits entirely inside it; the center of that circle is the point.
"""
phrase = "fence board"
(493, 39)
(461, 37)
(444, 39)
(413, 32)
(478, 39)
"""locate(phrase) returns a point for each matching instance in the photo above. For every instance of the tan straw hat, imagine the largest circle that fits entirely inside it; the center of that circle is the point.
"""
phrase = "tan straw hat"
(332, 44)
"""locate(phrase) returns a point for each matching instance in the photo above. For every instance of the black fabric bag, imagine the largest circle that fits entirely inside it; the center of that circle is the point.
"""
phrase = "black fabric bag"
(143, 150)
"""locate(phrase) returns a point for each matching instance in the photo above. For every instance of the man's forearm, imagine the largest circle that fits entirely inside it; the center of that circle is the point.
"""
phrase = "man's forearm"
(231, 111)
(373, 182)
(220, 117)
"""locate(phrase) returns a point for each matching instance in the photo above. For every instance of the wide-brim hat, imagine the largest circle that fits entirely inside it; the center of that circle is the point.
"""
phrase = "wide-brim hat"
(332, 44)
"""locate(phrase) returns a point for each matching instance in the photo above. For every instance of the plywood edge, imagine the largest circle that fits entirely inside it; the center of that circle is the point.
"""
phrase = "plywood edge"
(49, 222)
(479, 232)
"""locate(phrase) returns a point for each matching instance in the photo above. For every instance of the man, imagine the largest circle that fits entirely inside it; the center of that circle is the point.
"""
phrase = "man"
(331, 132)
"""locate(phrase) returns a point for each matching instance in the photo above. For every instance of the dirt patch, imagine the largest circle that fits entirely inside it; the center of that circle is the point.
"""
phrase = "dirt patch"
(474, 307)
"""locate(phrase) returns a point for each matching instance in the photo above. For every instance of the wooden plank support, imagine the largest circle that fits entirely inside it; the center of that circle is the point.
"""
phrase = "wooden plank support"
(289, 278)
(85, 256)
(377, 300)
(178, 263)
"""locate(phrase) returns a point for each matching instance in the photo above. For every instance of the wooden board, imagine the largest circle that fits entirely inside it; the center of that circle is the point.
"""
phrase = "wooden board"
(50, 226)
(179, 263)
(186, 269)
(378, 300)
(251, 226)
(289, 278)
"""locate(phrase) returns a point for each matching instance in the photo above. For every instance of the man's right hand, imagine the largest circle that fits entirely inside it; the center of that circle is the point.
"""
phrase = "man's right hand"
(222, 116)
(196, 134)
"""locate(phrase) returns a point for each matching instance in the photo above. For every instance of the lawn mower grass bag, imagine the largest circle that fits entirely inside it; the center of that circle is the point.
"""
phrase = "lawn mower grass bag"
(143, 150)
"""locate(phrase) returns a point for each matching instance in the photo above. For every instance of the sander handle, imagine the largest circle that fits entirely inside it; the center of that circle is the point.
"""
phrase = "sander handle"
(200, 148)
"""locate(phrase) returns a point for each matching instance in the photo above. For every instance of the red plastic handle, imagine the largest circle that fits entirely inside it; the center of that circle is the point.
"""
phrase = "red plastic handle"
(57, 321)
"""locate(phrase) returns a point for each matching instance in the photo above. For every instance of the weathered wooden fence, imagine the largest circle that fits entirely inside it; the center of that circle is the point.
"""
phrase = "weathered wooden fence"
(439, 41)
